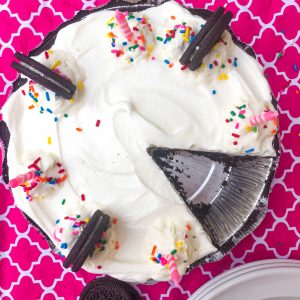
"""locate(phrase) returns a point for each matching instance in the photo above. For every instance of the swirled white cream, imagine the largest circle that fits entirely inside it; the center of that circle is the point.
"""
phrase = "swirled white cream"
(140, 103)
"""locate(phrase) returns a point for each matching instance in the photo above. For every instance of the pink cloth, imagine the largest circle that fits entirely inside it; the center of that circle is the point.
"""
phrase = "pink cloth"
(28, 267)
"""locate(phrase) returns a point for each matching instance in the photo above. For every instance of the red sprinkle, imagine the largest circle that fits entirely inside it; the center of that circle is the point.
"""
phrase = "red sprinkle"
(235, 143)
(115, 221)
(99, 267)
(23, 92)
(61, 171)
(229, 61)
(215, 63)
(227, 121)
(46, 54)
(37, 160)
(59, 164)
(82, 197)
(235, 135)
(98, 123)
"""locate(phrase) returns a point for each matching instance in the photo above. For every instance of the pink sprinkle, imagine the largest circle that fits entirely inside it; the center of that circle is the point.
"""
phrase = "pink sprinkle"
(184, 68)
(69, 218)
(242, 112)
(114, 51)
(235, 135)
(60, 230)
(82, 197)
(75, 232)
(77, 223)
(237, 125)
(98, 123)
(153, 57)
(104, 234)
(142, 48)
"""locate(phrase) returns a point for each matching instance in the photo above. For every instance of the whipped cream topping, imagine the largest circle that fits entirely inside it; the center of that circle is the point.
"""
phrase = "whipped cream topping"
(138, 102)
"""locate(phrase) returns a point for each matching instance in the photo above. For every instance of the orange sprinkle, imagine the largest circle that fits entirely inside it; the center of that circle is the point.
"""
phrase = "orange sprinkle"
(188, 227)
(153, 250)
(31, 106)
(42, 179)
(36, 95)
(62, 179)
(173, 17)
(115, 221)
(275, 121)
(78, 129)
(171, 65)
(273, 131)
(31, 88)
(117, 246)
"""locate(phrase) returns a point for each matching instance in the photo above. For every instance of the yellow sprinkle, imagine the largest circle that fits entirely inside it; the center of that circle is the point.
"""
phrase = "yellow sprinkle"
(49, 140)
(110, 20)
(185, 35)
(87, 220)
(110, 35)
(56, 64)
(50, 51)
(248, 128)
(223, 76)
(149, 49)
(80, 85)
(202, 66)
(72, 100)
(218, 55)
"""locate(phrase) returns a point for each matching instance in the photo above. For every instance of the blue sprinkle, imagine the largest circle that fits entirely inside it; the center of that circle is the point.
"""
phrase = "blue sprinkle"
(182, 31)
(139, 19)
(124, 43)
(57, 221)
(157, 261)
(159, 255)
(27, 197)
(211, 66)
(235, 62)
(249, 150)
(49, 111)
(166, 40)
(42, 108)
(214, 92)
(47, 96)
(166, 61)
(113, 45)
(64, 245)
(296, 69)
(192, 39)
(34, 99)
(75, 226)
(131, 59)
(55, 119)
(202, 25)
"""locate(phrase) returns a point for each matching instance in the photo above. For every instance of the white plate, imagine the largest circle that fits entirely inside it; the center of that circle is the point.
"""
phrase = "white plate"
(272, 279)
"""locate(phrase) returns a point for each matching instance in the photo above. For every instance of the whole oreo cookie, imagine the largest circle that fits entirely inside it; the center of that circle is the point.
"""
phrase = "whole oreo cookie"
(109, 289)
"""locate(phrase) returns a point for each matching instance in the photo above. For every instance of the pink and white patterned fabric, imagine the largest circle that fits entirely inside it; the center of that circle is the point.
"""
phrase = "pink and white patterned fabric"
(28, 268)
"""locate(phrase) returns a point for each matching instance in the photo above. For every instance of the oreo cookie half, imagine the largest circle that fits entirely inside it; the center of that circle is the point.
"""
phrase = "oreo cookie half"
(85, 244)
(109, 289)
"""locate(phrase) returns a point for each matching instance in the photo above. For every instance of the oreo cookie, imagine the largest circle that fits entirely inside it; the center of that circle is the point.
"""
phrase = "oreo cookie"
(206, 39)
(109, 289)
(44, 76)
(85, 244)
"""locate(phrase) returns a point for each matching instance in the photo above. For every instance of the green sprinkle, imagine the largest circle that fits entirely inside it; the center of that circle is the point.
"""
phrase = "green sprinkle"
(243, 106)
(130, 17)
(78, 216)
(280, 54)
(111, 25)
(230, 119)
(133, 47)
(183, 23)
(63, 202)
(232, 113)
(222, 66)
(104, 242)
(65, 115)
(254, 129)
(173, 252)
(159, 38)
(241, 116)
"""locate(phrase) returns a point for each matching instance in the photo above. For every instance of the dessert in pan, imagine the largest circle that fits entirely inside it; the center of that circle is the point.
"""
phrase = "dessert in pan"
(142, 140)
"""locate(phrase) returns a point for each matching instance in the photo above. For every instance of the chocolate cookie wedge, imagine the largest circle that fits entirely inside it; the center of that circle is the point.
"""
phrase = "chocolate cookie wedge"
(206, 39)
(44, 76)
(85, 244)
